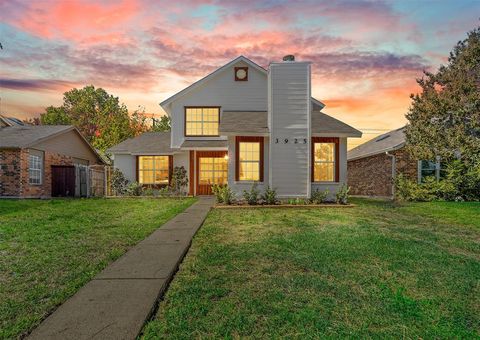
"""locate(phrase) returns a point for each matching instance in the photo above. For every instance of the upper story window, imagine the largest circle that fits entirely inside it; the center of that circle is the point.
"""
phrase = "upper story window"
(35, 168)
(153, 169)
(249, 158)
(202, 121)
(325, 159)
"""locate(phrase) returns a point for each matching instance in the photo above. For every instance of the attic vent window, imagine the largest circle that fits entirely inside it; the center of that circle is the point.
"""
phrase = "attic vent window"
(241, 73)
(382, 138)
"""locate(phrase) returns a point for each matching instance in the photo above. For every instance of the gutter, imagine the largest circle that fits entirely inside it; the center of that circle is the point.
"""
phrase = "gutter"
(394, 170)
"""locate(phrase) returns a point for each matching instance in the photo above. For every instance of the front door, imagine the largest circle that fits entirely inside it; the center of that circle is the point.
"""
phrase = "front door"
(212, 168)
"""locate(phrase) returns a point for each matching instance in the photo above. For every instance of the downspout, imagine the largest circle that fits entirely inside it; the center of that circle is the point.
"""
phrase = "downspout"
(394, 170)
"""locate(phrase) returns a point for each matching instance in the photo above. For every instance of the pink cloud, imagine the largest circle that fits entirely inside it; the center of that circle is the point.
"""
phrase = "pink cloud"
(79, 21)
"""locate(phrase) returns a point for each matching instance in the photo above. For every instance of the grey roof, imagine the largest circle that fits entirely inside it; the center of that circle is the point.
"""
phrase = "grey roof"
(234, 122)
(389, 141)
(255, 122)
(146, 143)
(204, 144)
(324, 124)
(28, 135)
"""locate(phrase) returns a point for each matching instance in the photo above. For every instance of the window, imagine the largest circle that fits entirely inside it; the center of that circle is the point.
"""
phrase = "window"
(429, 169)
(202, 121)
(153, 169)
(249, 159)
(35, 166)
(213, 170)
(324, 159)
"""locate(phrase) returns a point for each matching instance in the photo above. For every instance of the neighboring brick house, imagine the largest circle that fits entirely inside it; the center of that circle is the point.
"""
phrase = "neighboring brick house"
(44, 161)
(373, 165)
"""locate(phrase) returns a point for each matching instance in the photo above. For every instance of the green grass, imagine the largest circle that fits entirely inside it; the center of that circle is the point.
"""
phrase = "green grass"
(376, 270)
(49, 249)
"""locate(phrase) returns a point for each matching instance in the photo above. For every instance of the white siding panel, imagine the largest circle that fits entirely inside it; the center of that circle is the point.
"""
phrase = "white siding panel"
(126, 164)
(289, 117)
(222, 91)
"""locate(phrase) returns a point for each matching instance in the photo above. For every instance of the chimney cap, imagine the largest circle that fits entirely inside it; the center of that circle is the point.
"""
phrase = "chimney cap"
(289, 57)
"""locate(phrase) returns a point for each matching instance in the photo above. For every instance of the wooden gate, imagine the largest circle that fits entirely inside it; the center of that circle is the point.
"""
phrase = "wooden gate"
(63, 181)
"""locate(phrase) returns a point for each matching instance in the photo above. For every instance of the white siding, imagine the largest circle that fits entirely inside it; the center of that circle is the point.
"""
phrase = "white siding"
(183, 159)
(238, 187)
(289, 116)
(333, 187)
(126, 164)
(222, 91)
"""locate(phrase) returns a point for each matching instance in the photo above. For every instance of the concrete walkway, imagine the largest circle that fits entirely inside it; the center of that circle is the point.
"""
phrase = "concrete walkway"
(118, 301)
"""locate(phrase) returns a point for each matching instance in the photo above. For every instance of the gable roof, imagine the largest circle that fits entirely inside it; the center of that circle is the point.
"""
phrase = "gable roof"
(25, 136)
(256, 123)
(389, 141)
(148, 143)
(219, 70)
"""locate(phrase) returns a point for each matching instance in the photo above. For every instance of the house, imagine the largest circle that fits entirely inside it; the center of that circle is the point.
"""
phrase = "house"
(44, 161)
(10, 121)
(372, 166)
(243, 124)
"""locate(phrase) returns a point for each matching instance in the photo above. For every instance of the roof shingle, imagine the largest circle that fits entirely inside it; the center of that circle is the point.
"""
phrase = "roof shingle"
(147, 143)
(27, 135)
(389, 141)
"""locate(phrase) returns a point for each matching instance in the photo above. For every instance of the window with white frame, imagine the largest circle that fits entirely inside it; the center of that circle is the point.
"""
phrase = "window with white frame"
(35, 167)
(428, 169)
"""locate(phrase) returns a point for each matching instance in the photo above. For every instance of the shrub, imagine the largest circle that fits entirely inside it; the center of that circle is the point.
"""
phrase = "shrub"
(148, 191)
(216, 190)
(118, 182)
(459, 184)
(298, 201)
(179, 180)
(223, 194)
(269, 196)
(251, 196)
(134, 189)
(342, 194)
(164, 191)
(318, 197)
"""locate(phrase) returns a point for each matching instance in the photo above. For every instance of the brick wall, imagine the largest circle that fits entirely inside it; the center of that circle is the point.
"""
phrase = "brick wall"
(372, 176)
(15, 178)
(9, 172)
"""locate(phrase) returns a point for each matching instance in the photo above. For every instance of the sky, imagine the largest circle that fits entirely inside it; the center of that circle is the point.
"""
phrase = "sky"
(365, 55)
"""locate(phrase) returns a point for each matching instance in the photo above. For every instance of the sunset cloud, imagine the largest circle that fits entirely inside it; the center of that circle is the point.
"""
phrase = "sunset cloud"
(365, 55)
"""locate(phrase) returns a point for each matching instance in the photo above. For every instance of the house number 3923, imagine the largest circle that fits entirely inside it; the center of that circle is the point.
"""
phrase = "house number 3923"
(293, 140)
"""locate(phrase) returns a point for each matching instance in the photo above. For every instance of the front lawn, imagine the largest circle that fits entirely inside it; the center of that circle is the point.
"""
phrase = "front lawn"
(375, 270)
(49, 249)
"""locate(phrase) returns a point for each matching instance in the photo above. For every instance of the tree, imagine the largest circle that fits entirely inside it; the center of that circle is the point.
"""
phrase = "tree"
(444, 119)
(98, 115)
(164, 124)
